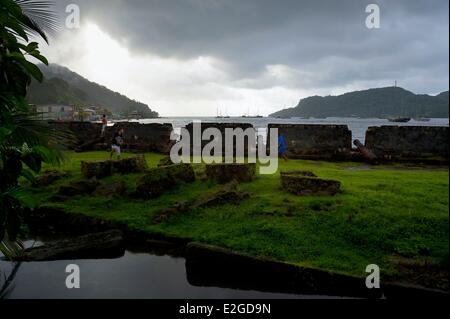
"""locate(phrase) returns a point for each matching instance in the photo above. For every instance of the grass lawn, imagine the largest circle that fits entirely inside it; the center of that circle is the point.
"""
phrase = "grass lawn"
(383, 212)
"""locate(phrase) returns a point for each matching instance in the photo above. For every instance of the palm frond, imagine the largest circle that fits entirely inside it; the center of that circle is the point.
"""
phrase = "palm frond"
(30, 130)
(39, 17)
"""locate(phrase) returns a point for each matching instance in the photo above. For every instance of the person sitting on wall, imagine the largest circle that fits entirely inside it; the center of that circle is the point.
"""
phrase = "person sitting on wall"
(282, 147)
(116, 143)
(104, 125)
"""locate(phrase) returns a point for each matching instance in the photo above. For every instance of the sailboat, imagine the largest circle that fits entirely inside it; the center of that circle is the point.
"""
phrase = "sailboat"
(220, 116)
(251, 116)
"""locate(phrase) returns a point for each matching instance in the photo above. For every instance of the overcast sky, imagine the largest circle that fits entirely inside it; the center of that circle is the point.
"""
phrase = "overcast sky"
(192, 57)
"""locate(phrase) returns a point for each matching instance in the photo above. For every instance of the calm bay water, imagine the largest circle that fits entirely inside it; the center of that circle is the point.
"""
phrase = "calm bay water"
(136, 275)
(356, 125)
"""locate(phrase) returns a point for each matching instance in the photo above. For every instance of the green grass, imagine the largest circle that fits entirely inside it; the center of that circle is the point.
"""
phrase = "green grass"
(383, 211)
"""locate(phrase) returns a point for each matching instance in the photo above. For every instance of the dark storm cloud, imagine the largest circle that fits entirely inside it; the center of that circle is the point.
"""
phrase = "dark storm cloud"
(324, 43)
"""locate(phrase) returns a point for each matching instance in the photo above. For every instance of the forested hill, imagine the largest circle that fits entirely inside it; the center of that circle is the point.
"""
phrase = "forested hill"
(62, 86)
(372, 103)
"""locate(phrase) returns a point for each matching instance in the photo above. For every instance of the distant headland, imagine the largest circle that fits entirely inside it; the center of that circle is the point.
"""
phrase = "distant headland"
(373, 103)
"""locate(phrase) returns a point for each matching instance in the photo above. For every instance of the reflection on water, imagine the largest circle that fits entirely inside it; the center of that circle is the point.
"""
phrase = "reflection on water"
(135, 275)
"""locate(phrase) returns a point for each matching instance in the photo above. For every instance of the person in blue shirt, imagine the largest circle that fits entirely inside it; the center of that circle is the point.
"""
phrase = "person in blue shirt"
(282, 147)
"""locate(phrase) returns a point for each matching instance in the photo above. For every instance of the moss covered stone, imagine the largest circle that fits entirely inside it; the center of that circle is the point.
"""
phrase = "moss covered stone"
(96, 169)
(227, 172)
(136, 164)
(307, 183)
(159, 180)
(100, 169)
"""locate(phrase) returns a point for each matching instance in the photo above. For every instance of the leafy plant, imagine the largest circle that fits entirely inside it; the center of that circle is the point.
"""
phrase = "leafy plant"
(25, 141)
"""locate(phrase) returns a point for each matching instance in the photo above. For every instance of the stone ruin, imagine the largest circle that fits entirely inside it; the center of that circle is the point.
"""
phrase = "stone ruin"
(307, 183)
(313, 141)
(228, 193)
(100, 169)
(152, 137)
(304, 141)
(409, 143)
(227, 172)
(221, 127)
(159, 180)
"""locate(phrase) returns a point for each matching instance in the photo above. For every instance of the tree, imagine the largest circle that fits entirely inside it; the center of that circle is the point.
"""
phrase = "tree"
(25, 141)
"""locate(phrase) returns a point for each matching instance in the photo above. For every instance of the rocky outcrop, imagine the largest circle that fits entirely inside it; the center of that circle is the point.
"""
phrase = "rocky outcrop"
(409, 143)
(310, 141)
(307, 183)
(107, 244)
(224, 172)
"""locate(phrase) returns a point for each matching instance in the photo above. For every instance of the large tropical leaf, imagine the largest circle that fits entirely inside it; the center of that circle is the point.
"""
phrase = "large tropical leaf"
(25, 141)
(38, 17)
(29, 129)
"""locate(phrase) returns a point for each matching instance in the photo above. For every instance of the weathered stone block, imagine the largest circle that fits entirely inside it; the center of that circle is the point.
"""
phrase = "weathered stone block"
(298, 173)
(111, 189)
(180, 172)
(78, 188)
(161, 179)
(96, 169)
(413, 143)
(136, 164)
(228, 194)
(152, 137)
(226, 172)
(49, 178)
(98, 245)
(313, 141)
(154, 184)
(307, 183)
(222, 127)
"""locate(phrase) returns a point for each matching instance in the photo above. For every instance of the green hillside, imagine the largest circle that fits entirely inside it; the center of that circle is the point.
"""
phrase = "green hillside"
(379, 102)
(62, 86)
